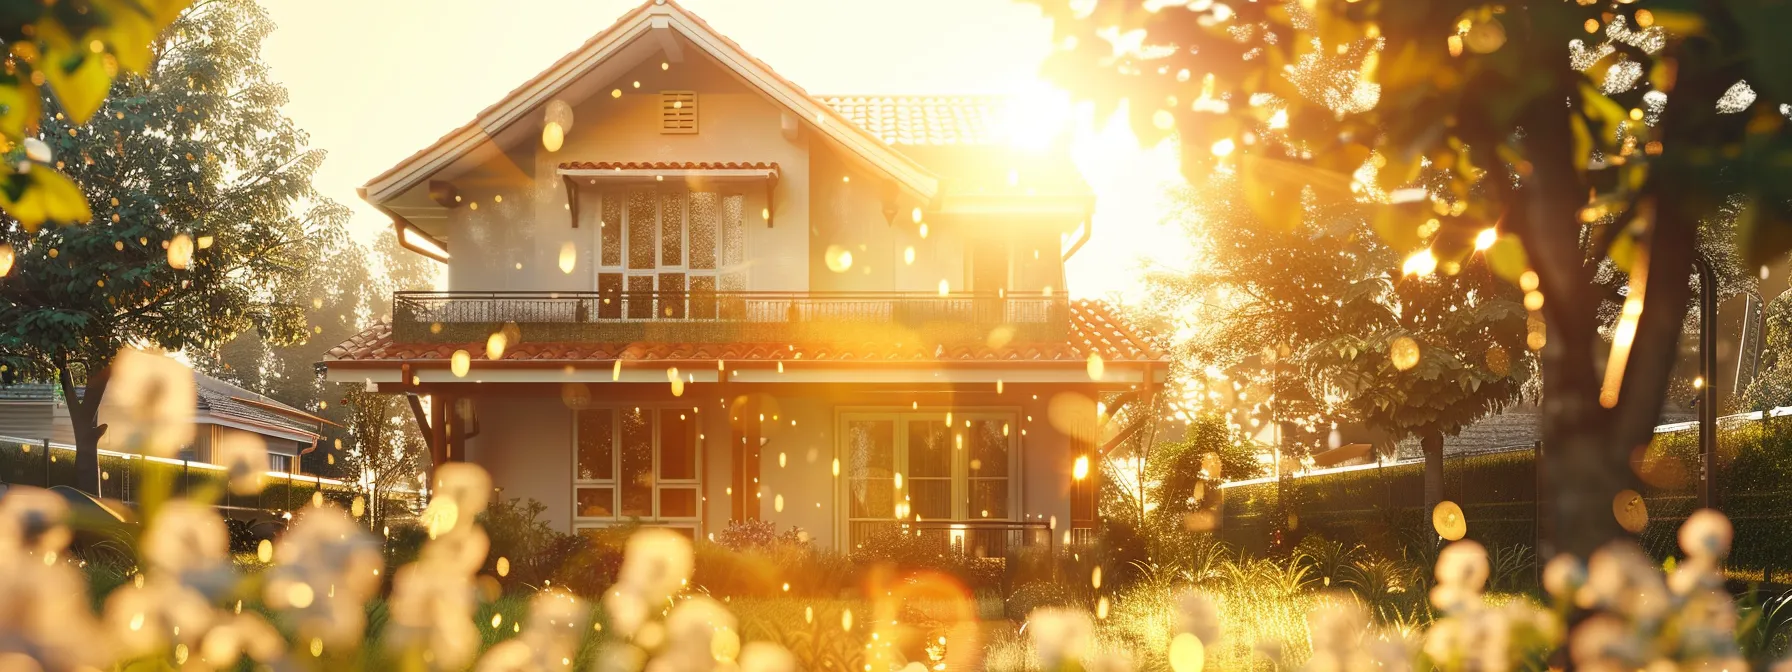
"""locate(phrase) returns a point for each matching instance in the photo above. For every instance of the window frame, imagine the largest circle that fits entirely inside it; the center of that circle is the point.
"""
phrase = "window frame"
(961, 476)
(720, 275)
(693, 484)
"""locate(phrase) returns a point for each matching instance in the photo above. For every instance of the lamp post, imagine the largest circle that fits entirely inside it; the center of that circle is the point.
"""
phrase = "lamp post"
(1708, 387)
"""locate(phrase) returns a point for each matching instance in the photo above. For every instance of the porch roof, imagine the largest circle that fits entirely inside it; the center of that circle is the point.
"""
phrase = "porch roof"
(1094, 329)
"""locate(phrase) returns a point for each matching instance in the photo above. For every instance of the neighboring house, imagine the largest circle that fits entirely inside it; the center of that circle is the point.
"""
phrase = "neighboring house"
(35, 411)
(682, 290)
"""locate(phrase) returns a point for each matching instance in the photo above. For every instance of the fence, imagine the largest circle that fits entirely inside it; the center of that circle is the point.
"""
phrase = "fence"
(1382, 506)
(41, 463)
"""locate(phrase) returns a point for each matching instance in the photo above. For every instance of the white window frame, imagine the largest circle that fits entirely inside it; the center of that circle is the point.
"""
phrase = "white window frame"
(961, 478)
(625, 227)
(614, 483)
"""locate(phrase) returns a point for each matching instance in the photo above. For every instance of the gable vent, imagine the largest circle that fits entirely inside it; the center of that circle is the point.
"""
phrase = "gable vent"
(678, 111)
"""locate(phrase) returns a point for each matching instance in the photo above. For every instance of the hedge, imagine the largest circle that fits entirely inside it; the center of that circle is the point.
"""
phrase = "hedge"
(1382, 507)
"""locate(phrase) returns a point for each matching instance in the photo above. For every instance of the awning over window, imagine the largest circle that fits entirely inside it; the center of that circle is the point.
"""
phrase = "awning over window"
(632, 172)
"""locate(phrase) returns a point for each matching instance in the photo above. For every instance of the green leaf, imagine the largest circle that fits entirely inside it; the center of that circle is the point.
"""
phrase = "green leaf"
(43, 195)
(80, 82)
(1506, 258)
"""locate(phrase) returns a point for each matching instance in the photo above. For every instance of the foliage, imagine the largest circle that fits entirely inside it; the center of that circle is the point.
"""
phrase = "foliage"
(1772, 388)
(386, 455)
(1472, 130)
(914, 552)
(742, 535)
(209, 221)
(65, 56)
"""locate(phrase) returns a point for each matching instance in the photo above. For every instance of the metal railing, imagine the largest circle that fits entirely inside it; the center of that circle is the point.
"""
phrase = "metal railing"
(974, 538)
(712, 316)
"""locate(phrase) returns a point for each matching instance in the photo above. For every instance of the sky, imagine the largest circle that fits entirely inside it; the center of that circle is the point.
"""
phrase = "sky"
(372, 81)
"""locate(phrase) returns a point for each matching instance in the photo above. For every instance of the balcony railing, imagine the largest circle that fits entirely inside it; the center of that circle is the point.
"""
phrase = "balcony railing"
(975, 538)
(724, 317)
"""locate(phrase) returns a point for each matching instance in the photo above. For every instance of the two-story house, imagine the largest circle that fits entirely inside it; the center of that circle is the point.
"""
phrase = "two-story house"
(685, 291)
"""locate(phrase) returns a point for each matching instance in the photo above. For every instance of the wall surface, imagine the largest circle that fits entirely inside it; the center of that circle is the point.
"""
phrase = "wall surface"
(526, 444)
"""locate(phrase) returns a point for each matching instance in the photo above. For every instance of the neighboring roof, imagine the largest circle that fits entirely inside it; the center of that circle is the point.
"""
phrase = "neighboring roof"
(216, 397)
(226, 400)
(1094, 329)
(925, 120)
(28, 392)
(634, 25)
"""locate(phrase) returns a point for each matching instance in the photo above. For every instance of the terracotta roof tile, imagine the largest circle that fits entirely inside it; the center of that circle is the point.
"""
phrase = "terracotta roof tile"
(925, 120)
(667, 165)
(1094, 328)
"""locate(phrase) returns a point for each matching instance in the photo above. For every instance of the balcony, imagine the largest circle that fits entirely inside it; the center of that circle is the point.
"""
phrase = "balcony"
(728, 317)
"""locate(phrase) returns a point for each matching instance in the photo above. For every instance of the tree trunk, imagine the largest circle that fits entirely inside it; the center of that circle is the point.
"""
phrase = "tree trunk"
(1433, 444)
(83, 417)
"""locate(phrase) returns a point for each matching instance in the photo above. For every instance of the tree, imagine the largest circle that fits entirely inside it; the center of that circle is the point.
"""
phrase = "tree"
(386, 454)
(1576, 132)
(1342, 329)
(1773, 387)
(207, 218)
(72, 50)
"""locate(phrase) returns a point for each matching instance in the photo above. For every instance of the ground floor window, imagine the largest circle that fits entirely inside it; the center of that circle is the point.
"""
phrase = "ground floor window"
(929, 466)
(636, 463)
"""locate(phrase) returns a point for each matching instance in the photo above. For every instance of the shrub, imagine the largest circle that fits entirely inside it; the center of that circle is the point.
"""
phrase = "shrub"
(741, 535)
(913, 552)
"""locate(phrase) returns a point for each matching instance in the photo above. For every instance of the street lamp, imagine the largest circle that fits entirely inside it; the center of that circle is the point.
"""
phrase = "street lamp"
(1708, 390)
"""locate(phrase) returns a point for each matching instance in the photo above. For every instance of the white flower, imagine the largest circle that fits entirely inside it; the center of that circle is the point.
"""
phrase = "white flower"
(656, 563)
(1197, 615)
(557, 621)
(1620, 578)
(1706, 533)
(152, 400)
(187, 542)
(1463, 564)
(245, 460)
(1059, 635)
(31, 522)
(1563, 575)
(323, 576)
(766, 657)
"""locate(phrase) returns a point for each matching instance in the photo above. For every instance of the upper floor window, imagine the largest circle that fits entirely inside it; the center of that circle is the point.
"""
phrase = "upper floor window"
(664, 252)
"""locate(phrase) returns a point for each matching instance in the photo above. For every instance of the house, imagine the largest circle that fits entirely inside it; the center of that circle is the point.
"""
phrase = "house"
(35, 412)
(684, 291)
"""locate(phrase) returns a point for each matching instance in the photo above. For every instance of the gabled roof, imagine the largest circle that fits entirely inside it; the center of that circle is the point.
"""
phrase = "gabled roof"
(635, 25)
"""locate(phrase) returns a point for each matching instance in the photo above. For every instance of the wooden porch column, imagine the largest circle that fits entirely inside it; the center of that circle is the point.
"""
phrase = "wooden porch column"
(747, 433)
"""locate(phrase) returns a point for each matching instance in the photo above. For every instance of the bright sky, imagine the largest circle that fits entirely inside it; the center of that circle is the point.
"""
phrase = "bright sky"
(374, 80)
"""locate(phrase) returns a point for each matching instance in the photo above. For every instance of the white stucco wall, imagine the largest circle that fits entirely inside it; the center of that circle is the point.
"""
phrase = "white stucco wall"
(526, 444)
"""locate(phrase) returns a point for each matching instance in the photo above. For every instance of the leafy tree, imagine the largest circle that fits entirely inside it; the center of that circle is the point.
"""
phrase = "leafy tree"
(1348, 335)
(387, 452)
(1576, 131)
(1773, 387)
(72, 50)
(207, 218)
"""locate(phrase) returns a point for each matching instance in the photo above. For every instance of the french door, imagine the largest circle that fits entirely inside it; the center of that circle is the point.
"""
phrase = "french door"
(930, 466)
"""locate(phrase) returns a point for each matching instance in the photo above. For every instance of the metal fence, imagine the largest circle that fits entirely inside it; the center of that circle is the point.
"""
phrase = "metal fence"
(43, 463)
(1382, 505)
(974, 538)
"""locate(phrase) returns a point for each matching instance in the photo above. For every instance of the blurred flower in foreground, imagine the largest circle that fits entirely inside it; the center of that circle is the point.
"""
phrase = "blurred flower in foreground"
(155, 398)
(655, 565)
(44, 618)
(433, 598)
(1059, 636)
(325, 571)
(557, 621)
(245, 460)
